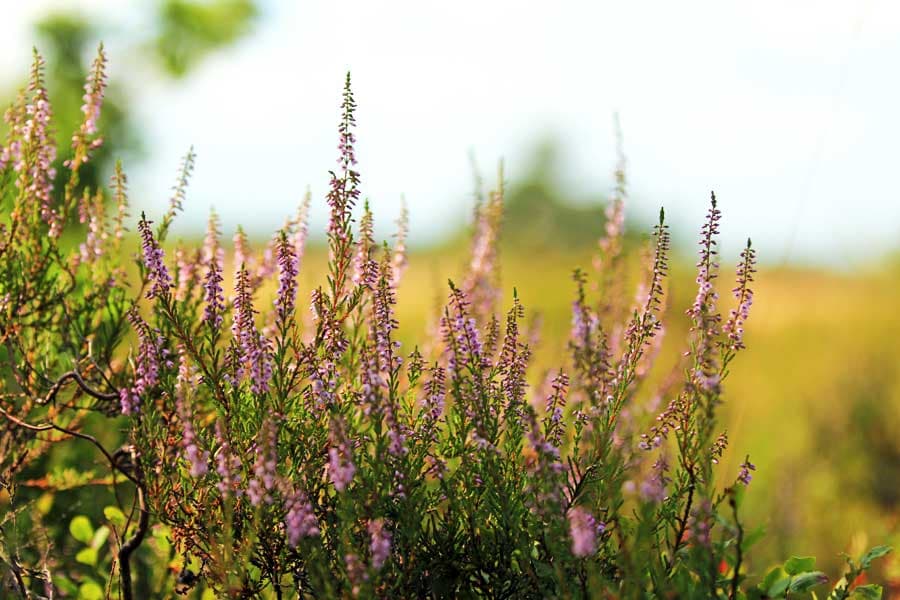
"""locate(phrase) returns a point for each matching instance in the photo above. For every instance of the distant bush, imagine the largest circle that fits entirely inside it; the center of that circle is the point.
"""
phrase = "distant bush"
(272, 455)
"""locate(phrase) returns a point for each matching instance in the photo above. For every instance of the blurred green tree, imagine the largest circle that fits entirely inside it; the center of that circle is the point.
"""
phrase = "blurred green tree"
(181, 34)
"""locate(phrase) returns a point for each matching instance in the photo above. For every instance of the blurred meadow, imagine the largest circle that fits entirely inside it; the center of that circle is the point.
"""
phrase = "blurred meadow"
(815, 399)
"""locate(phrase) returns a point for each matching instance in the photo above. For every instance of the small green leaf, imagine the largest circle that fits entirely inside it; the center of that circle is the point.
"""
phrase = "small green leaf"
(876, 552)
(805, 581)
(115, 516)
(777, 589)
(868, 592)
(81, 529)
(87, 556)
(799, 564)
(89, 590)
(65, 585)
(772, 577)
(100, 537)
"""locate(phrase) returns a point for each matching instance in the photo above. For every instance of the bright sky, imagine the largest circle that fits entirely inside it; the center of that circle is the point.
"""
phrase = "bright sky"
(787, 109)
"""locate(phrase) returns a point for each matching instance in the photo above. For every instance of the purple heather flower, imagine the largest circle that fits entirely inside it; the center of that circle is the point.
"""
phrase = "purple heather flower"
(197, 459)
(35, 165)
(653, 488)
(242, 258)
(286, 298)
(340, 459)
(380, 544)
(228, 465)
(583, 529)
(265, 467)
(93, 94)
(399, 262)
(744, 476)
(734, 327)
(252, 348)
(94, 88)
(213, 293)
(299, 520)
(556, 402)
(147, 365)
(700, 524)
(364, 268)
(153, 261)
(707, 266)
(356, 572)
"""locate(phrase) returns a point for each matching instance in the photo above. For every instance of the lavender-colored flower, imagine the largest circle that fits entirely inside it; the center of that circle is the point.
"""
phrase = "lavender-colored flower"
(700, 524)
(340, 459)
(35, 157)
(399, 262)
(482, 281)
(356, 572)
(583, 529)
(380, 543)
(344, 192)
(92, 248)
(286, 298)
(251, 348)
(213, 293)
(94, 88)
(299, 520)
(119, 184)
(242, 257)
(153, 261)
(265, 466)
(93, 93)
(734, 327)
(179, 190)
(653, 488)
(197, 458)
(744, 476)
(556, 402)
(228, 464)
(147, 365)
(364, 268)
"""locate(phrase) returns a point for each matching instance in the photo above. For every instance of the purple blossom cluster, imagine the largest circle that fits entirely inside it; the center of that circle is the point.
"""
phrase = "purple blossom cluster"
(288, 268)
(340, 458)
(151, 357)
(744, 475)
(228, 464)
(299, 520)
(197, 458)
(154, 262)
(583, 529)
(265, 466)
(380, 543)
(734, 326)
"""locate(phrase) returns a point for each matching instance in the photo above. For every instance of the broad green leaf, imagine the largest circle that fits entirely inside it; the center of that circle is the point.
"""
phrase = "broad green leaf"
(868, 592)
(81, 529)
(100, 537)
(773, 577)
(87, 556)
(799, 564)
(115, 516)
(65, 586)
(89, 590)
(777, 589)
(876, 552)
(805, 581)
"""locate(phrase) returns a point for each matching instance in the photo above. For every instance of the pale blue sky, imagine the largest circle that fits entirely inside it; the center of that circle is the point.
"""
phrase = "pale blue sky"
(789, 110)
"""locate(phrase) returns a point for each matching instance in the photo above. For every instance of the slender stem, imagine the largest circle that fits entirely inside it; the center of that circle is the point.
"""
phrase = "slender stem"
(126, 549)
(739, 558)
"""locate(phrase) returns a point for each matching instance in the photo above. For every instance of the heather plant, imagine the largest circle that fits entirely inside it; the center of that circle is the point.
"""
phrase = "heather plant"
(276, 447)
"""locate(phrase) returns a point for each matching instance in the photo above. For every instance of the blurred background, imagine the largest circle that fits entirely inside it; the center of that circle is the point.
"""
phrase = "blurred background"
(787, 110)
